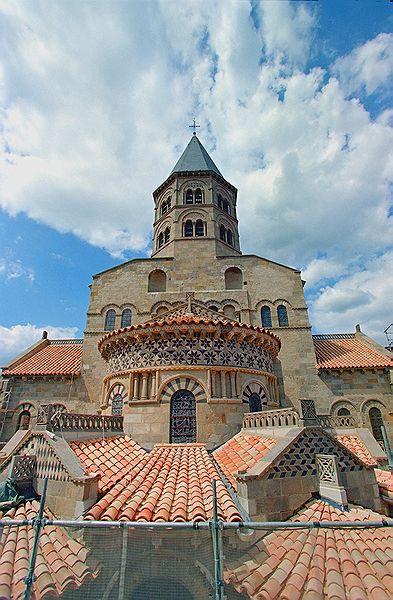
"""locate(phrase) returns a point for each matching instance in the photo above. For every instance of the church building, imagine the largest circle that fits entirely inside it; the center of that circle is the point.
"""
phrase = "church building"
(198, 371)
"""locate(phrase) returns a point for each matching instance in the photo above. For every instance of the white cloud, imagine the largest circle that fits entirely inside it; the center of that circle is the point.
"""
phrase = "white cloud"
(14, 269)
(365, 297)
(94, 120)
(15, 339)
(367, 67)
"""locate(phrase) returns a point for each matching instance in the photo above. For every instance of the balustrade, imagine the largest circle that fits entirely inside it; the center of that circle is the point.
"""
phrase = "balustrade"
(284, 417)
(84, 422)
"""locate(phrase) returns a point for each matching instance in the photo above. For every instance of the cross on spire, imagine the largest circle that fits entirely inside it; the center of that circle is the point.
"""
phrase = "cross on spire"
(194, 126)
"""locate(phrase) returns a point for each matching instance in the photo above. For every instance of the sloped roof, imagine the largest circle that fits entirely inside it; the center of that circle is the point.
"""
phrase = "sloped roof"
(355, 445)
(112, 458)
(172, 483)
(62, 562)
(318, 563)
(195, 158)
(59, 357)
(241, 453)
(385, 482)
(345, 351)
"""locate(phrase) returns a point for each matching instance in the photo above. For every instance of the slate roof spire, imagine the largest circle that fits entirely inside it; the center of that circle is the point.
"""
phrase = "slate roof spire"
(195, 158)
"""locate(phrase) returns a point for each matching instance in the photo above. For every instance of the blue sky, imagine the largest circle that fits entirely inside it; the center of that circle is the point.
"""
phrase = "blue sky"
(295, 105)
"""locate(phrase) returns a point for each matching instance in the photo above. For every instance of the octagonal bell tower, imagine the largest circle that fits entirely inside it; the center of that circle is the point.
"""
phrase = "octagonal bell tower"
(195, 209)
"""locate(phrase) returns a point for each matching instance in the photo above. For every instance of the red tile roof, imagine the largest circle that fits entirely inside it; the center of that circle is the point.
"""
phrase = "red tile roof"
(62, 562)
(240, 453)
(334, 564)
(60, 357)
(347, 352)
(172, 483)
(355, 445)
(112, 458)
(385, 482)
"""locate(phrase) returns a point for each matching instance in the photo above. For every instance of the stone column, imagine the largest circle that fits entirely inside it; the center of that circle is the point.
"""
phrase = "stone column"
(136, 382)
(144, 386)
(153, 385)
(233, 384)
(223, 384)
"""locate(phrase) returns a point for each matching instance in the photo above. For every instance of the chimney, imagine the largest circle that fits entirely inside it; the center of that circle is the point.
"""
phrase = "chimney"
(357, 327)
(44, 335)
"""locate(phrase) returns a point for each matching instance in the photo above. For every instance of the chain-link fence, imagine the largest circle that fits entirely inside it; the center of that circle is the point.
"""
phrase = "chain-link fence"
(146, 561)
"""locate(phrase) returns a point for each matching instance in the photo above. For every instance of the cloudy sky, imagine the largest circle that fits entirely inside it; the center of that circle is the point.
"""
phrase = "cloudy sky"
(295, 105)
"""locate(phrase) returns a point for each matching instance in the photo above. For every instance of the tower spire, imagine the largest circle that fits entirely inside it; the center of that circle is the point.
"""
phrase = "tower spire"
(193, 127)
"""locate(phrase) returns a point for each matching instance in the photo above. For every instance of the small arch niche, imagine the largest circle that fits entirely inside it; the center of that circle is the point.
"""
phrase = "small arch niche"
(233, 279)
(230, 311)
(157, 281)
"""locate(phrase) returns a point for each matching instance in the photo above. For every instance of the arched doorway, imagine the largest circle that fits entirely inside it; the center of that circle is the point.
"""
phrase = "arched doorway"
(183, 418)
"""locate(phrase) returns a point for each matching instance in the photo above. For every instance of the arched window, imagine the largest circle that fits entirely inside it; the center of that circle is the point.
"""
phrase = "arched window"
(282, 316)
(183, 418)
(110, 319)
(198, 196)
(229, 237)
(213, 307)
(233, 279)
(117, 405)
(376, 423)
(157, 281)
(266, 316)
(167, 234)
(188, 229)
(126, 317)
(219, 201)
(255, 403)
(24, 420)
(166, 205)
(223, 233)
(189, 197)
(343, 412)
(160, 240)
(225, 206)
(230, 311)
(199, 228)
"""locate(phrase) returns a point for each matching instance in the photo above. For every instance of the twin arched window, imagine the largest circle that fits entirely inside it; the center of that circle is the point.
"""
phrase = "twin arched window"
(164, 237)
(282, 316)
(198, 229)
(223, 204)
(192, 197)
(166, 205)
(226, 235)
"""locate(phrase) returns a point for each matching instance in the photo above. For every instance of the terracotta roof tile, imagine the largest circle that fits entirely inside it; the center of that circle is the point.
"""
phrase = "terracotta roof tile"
(60, 357)
(318, 563)
(385, 482)
(355, 445)
(347, 352)
(112, 458)
(241, 453)
(172, 483)
(62, 563)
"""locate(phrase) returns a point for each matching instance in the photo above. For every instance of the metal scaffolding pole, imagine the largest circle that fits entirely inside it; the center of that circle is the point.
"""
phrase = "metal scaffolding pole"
(216, 529)
(38, 524)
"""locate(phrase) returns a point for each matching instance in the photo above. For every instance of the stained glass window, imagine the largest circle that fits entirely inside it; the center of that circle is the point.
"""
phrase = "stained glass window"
(255, 403)
(282, 316)
(110, 319)
(117, 405)
(126, 317)
(266, 316)
(183, 417)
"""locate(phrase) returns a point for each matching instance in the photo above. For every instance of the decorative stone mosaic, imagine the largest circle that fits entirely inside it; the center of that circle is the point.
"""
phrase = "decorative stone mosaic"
(183, 351)
(299, 461)
(183, 383)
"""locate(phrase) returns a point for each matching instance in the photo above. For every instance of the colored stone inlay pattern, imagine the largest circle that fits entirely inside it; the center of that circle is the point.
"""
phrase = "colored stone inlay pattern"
(172, 483)
(62, 563)
(347, 353)
(319, 563)
(112, 458)
(241, 453)
(55, 359)
(355, 445)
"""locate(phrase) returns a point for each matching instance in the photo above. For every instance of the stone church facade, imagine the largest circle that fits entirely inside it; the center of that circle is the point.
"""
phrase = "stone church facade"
(186, 342)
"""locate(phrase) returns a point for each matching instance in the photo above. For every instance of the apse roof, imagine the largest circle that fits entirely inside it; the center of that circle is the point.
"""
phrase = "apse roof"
(195, 158)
